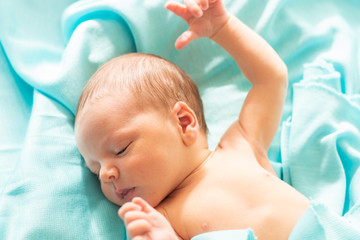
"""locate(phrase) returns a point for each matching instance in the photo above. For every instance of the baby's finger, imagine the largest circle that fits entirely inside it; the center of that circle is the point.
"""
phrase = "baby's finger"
(130, 206)
(204, 4)
(131, 216)
(142, 237)
(193, 8)
(178, 9)
(138, 227)
(145, 207)
(185, 39)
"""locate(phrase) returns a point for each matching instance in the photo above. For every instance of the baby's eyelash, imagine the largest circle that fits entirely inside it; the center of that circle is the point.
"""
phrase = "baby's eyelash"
(122, 151)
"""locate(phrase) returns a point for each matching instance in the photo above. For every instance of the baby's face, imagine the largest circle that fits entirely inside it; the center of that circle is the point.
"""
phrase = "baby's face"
(134, 152)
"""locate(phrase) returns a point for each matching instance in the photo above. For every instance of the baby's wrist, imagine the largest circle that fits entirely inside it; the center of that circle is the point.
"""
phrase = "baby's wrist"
(218, 33)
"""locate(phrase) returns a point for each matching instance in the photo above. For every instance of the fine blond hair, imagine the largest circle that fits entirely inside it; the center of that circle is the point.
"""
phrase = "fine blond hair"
(150, 78)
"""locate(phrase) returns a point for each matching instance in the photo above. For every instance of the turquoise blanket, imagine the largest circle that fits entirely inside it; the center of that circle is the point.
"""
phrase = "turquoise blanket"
(48, 50)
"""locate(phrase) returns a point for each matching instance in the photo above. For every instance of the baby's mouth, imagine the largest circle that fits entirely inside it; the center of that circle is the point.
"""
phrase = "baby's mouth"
(125, 193)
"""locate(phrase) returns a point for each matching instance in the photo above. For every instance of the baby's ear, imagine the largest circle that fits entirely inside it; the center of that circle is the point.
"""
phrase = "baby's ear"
(187, 122)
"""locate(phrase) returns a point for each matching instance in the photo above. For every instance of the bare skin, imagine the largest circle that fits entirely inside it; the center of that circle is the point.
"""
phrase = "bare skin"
(235, 187)
(230, 190)
(170, 185)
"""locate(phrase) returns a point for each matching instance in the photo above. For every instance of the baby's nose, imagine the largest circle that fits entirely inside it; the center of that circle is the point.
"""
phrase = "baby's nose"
(108, 174)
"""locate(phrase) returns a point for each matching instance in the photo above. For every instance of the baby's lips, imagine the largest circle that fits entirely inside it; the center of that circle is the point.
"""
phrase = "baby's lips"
(125, 193)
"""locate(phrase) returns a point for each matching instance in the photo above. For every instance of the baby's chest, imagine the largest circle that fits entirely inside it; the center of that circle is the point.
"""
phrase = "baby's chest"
(226, 196)
(211, 210)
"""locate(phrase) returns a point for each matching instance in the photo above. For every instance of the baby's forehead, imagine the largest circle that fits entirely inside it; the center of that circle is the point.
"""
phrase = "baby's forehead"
(123, 104)
(109, 113)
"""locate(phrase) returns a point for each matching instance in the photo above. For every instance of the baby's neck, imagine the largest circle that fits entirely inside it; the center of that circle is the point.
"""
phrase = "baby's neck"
(194, 159)
(204, 156)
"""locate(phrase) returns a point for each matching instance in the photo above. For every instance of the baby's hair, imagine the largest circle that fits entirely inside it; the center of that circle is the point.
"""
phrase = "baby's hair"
(150, 78)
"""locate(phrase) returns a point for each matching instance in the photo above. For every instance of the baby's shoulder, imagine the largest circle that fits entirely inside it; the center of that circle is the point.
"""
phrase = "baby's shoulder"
(235, 141)
(233, 138)
(234, 145)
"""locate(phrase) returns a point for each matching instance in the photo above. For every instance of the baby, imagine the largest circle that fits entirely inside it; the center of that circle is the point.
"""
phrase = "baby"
(140, 127)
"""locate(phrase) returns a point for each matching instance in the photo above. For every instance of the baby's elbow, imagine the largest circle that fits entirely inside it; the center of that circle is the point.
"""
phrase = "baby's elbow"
(282, 75)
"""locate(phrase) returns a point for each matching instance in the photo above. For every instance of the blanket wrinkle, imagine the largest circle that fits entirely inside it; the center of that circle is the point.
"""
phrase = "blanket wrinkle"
(48, 51)
(331, 139)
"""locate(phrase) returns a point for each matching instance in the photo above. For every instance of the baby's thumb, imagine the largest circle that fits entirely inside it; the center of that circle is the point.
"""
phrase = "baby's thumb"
(184, 39)
(145, 207)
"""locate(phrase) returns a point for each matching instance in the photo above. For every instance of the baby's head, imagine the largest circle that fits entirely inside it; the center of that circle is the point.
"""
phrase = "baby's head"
(136, 116)
(152, 79)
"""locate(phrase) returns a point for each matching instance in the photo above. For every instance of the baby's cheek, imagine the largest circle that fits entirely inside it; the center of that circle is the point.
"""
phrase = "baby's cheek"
(110, 194)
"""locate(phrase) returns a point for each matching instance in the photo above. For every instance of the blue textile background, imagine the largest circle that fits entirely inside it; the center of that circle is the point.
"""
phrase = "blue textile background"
(49, 49)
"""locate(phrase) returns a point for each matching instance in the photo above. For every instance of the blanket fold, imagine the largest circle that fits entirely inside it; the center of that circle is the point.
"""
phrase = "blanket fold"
(320, 157)
(49, 49)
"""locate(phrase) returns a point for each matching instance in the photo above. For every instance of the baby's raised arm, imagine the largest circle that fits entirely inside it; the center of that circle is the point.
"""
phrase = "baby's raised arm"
(261, 112)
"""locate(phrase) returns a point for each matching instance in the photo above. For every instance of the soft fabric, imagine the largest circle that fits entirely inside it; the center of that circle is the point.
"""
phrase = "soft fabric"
(247, 234)
(318, 222)
(321, 140)
(320, 146)
(49, 49)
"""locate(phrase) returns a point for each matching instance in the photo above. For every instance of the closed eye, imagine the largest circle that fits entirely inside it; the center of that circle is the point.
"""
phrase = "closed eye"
(122, 151)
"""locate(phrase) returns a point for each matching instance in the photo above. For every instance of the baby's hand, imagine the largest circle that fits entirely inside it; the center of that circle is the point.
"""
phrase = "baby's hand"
(143, 222)
(204, 17)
